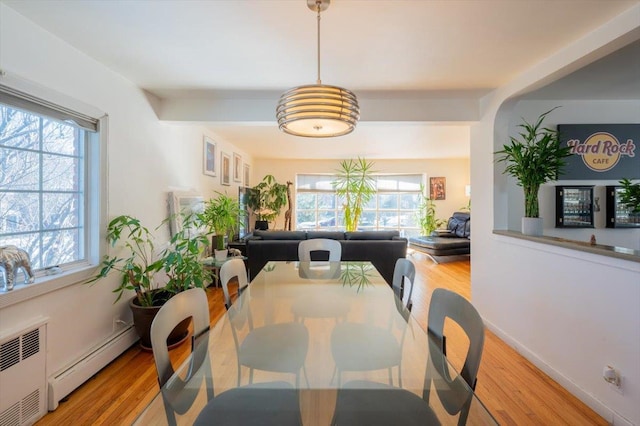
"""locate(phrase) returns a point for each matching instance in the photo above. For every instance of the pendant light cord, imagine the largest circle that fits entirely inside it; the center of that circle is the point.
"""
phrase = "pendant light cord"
(318, 4)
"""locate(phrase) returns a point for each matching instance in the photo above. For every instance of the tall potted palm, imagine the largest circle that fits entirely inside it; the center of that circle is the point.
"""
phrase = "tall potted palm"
(534, 159)
(427, 214)
(221, 215)
(355, 184)
(266, 201)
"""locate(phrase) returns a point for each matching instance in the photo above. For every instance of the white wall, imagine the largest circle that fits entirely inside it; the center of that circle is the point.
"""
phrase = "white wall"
(569, 312)
(456, 171)
(146, 160)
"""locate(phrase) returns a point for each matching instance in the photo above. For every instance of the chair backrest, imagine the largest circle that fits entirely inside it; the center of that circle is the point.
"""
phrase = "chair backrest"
(404, 271)
(319, 244)
(177, 396)
(189, 303)
(230, 269)
(447, 304)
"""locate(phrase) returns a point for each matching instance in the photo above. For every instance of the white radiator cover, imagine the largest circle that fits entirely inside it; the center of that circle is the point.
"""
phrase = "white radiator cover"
(69, 378)
(23, 374)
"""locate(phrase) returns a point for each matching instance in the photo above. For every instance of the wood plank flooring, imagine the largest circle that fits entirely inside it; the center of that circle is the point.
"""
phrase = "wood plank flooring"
(513, 390)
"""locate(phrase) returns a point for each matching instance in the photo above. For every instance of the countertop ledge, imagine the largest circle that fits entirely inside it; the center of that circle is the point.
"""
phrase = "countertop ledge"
(609, 251)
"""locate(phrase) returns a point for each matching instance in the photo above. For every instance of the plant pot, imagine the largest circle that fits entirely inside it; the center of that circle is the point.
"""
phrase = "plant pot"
(143, 317)
(532, 226)
(262, 225)
(221, 254)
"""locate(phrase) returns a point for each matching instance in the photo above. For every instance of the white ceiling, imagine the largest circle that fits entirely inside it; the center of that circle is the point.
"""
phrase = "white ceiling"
(387, 49)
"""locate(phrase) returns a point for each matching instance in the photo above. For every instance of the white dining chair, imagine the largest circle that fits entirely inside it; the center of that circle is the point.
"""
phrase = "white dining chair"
(234, 268)
(319, 244)
(178, 397)
(373, 403)
(279, 347)
(381, 347)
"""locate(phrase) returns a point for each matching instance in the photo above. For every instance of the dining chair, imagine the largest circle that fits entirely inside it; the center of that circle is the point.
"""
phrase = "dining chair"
(319, 244)
(445, 304)
(177, 396)
(234, 268)
(380, 347)
(404, 273)
(372, 403)
(278, 347)
(271, 403)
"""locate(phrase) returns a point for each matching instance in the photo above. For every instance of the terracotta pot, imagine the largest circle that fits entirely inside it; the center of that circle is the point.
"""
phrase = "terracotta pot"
(143, 317)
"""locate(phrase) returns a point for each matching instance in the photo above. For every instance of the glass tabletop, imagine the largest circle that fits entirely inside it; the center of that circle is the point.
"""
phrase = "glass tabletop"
(319, 343)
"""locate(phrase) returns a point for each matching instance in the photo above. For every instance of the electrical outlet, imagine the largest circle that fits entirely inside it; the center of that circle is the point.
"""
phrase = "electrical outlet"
(118, 324)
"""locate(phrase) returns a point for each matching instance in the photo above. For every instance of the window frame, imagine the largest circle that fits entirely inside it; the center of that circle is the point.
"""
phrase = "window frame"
(377, 209)
(95, 202)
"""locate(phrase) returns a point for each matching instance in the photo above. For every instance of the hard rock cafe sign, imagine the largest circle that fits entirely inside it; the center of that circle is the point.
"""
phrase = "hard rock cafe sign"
(606, 151)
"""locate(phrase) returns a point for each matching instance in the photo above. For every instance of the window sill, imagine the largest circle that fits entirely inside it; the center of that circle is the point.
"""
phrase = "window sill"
(599, 249)
(45, 284)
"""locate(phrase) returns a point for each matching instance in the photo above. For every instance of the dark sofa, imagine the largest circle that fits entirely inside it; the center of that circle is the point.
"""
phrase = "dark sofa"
(381, 248)
(455, 240)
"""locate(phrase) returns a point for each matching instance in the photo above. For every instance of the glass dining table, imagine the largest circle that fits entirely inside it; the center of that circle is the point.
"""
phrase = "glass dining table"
(331, 335)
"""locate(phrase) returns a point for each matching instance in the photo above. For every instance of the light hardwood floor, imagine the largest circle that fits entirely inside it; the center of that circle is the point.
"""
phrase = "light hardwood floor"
(513, 390)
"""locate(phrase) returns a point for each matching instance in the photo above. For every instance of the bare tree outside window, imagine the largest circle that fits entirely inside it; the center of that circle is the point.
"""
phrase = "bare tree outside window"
(42, 187)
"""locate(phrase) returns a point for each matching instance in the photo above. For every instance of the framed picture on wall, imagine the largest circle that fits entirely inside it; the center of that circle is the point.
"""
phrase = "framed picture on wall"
(237, 167)
(246, 169)
(437, 188)
(225, 165)
(209, 157)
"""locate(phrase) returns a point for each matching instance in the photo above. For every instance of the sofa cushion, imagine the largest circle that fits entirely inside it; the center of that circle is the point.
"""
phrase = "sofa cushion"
(280, 235)
(371, 235)
(331, 235)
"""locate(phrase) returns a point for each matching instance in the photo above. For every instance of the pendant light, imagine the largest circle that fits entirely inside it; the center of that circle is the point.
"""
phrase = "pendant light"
(318, 110)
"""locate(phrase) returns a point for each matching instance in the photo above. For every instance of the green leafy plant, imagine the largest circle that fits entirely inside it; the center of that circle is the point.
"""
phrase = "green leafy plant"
(267, 198)
(534, 159)
(355, 184)
(179, 262)
(427, 214)
(630, 195)
(221, 215)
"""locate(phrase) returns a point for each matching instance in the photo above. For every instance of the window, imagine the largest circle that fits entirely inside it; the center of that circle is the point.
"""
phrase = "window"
(395, 205)
(47, 169)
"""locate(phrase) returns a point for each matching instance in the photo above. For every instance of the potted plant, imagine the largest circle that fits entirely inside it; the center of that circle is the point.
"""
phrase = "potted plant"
(266, 200)
(221, 215)
(534, 159)
(355, 184)
(155, 277)
(427, 215)
(630, 195)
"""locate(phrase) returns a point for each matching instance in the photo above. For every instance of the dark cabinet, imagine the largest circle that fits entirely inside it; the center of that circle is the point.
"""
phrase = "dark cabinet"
(574, 207)
(619, 215)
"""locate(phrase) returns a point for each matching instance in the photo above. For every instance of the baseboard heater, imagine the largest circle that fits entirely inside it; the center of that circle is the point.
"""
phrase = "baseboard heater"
(65, 381)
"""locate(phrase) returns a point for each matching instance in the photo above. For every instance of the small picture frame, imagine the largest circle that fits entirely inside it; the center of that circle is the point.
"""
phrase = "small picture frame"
(237, 167)
(209, 156)
(246, 171)
(225, 166)
(437, 188)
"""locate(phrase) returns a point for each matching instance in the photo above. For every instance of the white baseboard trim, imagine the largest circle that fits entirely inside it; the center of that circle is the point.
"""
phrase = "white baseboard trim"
(66, 380)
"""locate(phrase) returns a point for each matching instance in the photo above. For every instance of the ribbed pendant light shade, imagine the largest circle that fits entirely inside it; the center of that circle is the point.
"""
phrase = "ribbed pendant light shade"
(318, 110)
